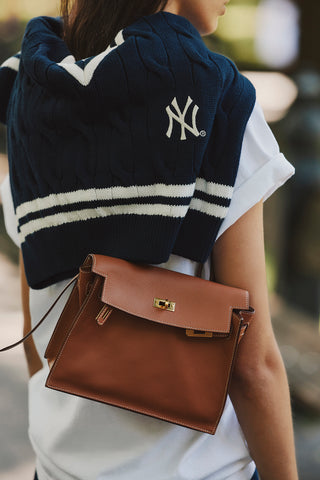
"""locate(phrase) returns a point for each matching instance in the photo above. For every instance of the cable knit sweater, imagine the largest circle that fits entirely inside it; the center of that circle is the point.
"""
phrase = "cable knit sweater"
(131, 153)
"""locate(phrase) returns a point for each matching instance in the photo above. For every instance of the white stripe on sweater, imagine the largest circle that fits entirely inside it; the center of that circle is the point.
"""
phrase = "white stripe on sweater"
(58, 219)
(100, 194)
(85, 75)
(13, 63)
(216, 189)
(211, 209)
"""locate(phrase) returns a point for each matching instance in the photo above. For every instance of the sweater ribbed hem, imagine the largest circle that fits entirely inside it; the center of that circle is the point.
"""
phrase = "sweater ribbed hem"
(134, 238)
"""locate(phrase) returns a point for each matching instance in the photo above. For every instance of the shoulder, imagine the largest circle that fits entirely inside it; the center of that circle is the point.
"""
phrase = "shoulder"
(42, 25)
(234, 82)
(188, 46)
(170, 41)
(42, 39)
(182, 48)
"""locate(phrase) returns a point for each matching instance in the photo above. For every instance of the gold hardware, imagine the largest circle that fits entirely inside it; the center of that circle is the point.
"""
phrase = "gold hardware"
(192, 333)
(103, 315)
(164, 304)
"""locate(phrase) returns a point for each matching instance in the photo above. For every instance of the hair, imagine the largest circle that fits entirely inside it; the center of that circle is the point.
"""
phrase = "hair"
(91, 25)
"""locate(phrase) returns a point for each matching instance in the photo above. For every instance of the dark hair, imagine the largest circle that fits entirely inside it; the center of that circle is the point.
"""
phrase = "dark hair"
(91, 25)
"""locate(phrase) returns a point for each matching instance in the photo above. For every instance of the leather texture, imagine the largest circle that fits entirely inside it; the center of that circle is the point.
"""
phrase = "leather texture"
(113, 346)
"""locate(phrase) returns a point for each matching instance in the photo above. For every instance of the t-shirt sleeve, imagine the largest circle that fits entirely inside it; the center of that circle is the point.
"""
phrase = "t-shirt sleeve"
(262, 168)
(8, 211)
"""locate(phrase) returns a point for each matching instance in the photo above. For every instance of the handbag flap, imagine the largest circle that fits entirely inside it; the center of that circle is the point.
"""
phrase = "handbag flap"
(199, 304)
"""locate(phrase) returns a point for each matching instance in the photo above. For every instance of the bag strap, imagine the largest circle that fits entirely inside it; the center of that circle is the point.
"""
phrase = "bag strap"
(9, 347)
(246, 316)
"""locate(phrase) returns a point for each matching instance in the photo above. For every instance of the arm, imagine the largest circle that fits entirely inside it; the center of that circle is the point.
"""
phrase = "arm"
(33, 359)
(259, 389)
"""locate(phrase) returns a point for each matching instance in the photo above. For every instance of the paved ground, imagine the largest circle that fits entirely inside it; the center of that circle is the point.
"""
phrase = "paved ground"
(308, 448)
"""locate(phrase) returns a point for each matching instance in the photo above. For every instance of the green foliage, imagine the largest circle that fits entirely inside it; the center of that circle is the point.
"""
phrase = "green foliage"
(271, 268)
(236, 33)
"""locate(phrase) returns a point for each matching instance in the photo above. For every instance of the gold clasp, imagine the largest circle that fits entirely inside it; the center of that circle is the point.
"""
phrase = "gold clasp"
(198, 333)
(164, 304)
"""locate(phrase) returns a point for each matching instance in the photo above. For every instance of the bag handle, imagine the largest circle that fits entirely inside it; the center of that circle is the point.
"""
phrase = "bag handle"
(9, 347)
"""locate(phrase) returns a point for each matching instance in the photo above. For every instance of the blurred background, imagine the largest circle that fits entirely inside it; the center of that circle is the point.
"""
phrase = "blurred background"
(276, 44)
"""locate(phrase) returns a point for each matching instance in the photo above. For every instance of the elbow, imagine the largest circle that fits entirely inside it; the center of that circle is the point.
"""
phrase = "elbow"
(257, 375)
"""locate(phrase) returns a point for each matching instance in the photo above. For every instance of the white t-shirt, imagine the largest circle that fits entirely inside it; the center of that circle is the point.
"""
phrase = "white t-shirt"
(75, 438)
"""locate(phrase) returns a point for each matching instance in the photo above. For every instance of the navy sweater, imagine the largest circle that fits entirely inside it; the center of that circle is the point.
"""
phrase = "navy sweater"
(132, 153)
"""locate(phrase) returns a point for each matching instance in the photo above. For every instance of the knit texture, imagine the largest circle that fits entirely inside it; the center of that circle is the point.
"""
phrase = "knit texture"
(132, 153)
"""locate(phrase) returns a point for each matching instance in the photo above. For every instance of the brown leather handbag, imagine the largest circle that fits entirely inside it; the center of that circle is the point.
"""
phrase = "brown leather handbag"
(149, 340)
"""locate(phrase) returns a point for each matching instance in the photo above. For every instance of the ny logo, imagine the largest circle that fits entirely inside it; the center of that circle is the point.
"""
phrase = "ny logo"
(180, 118)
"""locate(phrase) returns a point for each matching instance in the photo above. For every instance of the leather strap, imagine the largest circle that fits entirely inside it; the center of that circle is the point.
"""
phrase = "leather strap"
(246, 316)
(42, 319)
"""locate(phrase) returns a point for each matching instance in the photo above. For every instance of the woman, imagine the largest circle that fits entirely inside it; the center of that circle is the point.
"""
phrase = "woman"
(153, 150)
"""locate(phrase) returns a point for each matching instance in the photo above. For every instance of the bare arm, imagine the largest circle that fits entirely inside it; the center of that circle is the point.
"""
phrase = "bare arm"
(259, 389)
(33, 359)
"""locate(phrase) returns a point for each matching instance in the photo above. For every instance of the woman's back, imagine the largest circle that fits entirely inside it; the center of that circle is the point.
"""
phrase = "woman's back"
(141, 140)
(148, 151)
